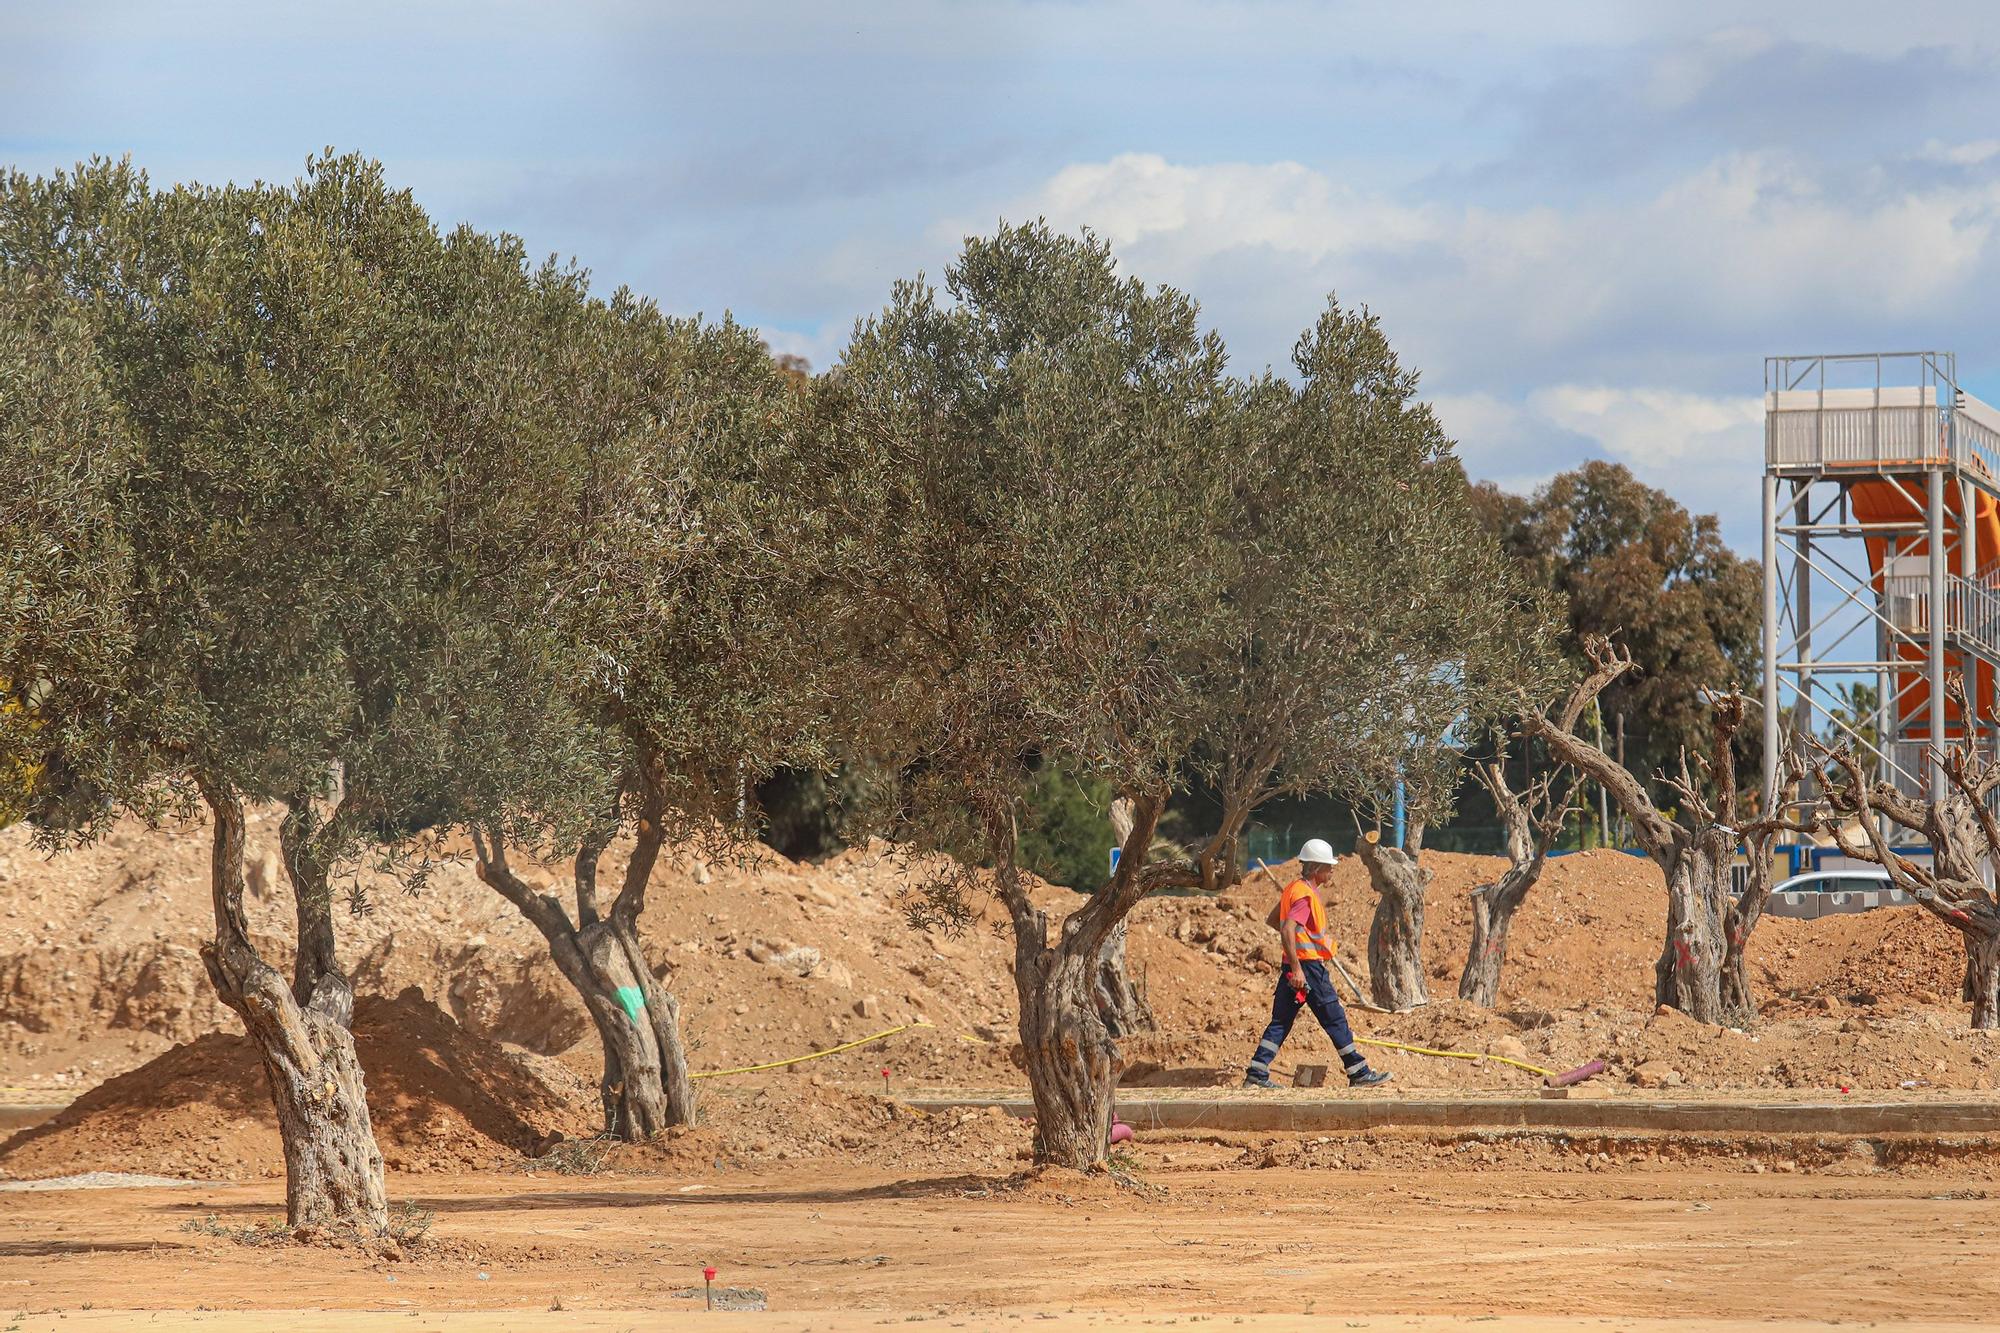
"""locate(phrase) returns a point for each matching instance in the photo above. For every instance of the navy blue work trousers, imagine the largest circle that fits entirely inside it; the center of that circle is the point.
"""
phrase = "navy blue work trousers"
(1325, 1005)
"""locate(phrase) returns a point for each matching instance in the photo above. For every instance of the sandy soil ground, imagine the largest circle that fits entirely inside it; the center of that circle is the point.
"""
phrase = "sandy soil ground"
(820, 1187)
(1196, 1235)
(633, 1321)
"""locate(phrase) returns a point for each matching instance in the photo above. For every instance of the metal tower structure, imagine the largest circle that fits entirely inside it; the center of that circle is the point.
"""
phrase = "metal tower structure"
(1881, 557)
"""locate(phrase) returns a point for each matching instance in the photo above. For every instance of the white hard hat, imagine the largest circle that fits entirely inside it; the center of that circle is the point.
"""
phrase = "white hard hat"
(1317, 851)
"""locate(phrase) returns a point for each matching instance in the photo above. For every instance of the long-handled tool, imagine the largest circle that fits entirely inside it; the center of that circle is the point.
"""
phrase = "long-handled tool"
(1359, 997)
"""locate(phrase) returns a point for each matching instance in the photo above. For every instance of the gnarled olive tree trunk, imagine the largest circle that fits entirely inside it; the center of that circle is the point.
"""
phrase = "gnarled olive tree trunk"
(1396, 934)
(645, 1086)
(1983, 967)
(1530, 826)
(1693, 857)
(1759, 841)
(1688, 974)
(1070, 1055)
(1121, 1000)
(1493, 908)
(333, 1168)
(1122, 1003)
(1963, 832)
(1742, 918)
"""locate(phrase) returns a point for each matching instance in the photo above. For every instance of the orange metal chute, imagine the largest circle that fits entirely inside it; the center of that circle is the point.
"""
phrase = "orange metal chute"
(1885, 501)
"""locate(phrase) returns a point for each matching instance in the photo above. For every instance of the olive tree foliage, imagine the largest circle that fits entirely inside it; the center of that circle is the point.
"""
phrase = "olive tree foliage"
(288, 641)
(1084, 545)
(64, 570)
(1015, 482)
(1374, 622)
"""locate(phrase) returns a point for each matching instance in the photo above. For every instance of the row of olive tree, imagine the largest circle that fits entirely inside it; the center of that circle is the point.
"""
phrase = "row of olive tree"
(393, 528)
(336, 512)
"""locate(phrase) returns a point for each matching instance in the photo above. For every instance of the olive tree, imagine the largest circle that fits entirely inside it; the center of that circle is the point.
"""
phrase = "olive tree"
(1008, 487)
(1531, 820)
(1692, 839)
(1963, 834)
(288, 642)
(1374, 621)
(638, 581)
(1082, 544)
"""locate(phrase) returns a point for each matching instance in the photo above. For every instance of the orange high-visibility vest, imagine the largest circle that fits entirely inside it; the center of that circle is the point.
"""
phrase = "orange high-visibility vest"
(1315, 945)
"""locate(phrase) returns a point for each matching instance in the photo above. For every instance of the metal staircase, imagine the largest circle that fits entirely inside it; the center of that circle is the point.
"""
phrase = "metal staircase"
(1881, 555)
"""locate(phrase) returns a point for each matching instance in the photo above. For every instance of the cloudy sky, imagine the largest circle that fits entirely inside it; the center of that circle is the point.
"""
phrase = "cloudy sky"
(1585, 223)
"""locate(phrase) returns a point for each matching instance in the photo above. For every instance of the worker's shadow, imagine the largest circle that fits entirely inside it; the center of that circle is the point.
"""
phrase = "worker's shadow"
(1146, 1074)
(928, 1187)
(941, 1187)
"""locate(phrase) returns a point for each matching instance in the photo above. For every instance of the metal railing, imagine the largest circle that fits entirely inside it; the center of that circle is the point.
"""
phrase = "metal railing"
(1909, 767)
(1802, 436)
(1912, 413)
(1971, 610)
(1972, 614)
(1808, 436)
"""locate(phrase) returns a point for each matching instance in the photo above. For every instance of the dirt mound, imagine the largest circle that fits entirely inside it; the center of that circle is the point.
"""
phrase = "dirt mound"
(99, 970)
(771, 959)
(1885, 957)
(441, 1099)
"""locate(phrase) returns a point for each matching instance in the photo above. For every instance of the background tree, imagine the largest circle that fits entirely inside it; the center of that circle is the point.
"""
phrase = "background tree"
(1532, 820)
(1063, 829)
(1853, 717)
(1437, 628)
(1630, 563)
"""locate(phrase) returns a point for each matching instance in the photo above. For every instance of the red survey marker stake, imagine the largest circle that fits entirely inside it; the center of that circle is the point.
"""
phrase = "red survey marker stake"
(707, 1287)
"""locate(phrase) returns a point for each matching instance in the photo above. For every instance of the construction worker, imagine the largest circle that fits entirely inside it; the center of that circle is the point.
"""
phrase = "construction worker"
(1301, 922)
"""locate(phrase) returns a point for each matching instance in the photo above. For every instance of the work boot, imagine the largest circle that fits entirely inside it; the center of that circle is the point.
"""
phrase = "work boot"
(1261, 1082)
(1365, 1077)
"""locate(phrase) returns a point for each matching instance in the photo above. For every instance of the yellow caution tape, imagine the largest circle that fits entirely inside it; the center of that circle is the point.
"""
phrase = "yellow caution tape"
(801, 1059)
(1456, 1055)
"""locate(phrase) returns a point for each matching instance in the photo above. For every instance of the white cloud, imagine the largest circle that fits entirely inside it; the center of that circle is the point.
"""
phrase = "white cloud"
(1141, 198)
(1704, 450)
(1665, 432)
(1973, 154)
(1634, 328)
(1746, 249)
(1503, 440)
